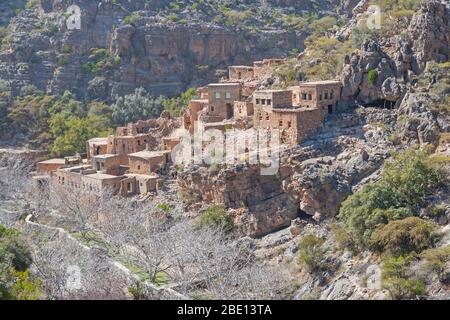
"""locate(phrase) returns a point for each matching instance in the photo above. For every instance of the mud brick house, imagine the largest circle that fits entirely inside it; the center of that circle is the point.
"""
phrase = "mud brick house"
(147, 162)
(243, 109)
(128, 140)
(47, 166)
(296, 112)
(108, 164)
(221, 97)
(323, 95)
(238, 73)
(96, 146)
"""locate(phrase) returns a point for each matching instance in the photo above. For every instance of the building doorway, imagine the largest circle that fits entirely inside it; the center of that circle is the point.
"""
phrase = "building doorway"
(330, 109)
(229, 111)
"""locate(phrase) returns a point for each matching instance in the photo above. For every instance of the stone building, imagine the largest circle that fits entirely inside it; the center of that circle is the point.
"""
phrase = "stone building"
(243, 109)
(296, 112)
(109, 164)
(323, 95)
(96, 146)
(50, 165)
(148, 162)
(238, 73)
(47, 166)
(215, 107)
(221, 97)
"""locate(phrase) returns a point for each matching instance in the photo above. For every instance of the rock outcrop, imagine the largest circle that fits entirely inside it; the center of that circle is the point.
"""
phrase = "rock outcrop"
(143, 49)
(418, 124)
(265, 206)
(396, 61)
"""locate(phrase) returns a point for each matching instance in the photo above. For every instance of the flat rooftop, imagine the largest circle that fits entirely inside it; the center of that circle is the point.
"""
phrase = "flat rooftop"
(322, 82)
(241, 67)
(293, 109)
(76, 169)
(272, 90)
(98, 140)
(54, 161)
(142, 176)
(148, 154)
(101, 176)
(106, 156)
(224, 84)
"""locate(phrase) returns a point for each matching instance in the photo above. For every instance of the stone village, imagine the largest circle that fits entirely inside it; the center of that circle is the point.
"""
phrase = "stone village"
(127, 164)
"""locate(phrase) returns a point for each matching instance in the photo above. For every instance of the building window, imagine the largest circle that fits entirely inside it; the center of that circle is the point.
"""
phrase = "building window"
(289, 124)
(257, 101)
(326, 95)
(320, 97)
(331, 94)
(263, 101)
(269, 102)
(304, 96)
(309, 96)
(139, 167)
(129, 187)
(267, 117)
(281, 123)
(139, 142)
(212, 108)
(227, 95)
(217, 95)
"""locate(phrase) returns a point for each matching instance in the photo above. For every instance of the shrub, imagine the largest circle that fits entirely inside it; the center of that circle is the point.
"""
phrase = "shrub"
(131, 19)
(436, 210)
(372, 76)
(15, 259)
(436, 260)
(175, 105)
(343, 239)
(63, 60)
(397, 279)
(215, 216)
(402, 237)
(312, 253)
(164, 207)
(66, 48)
(401, 191)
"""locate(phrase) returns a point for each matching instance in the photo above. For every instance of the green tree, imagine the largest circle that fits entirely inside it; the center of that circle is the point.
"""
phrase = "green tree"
(15, 259)
(405, 236)
(72, 133)
(136, 106)
(215, 216)
(175, 105)
(400, 192)
(396, 277)
(312, 253)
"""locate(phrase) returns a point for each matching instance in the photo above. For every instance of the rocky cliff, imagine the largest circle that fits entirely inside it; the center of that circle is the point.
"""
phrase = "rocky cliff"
(396, 59)
(123, 45)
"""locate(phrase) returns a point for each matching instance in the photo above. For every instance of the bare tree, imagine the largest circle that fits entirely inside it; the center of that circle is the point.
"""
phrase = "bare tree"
(218, 266)
(15, 172)
(139, 232)
(78, 207)
(69, 270)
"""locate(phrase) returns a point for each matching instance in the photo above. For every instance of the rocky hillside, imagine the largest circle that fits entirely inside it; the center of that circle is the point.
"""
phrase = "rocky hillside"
(163, 46)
